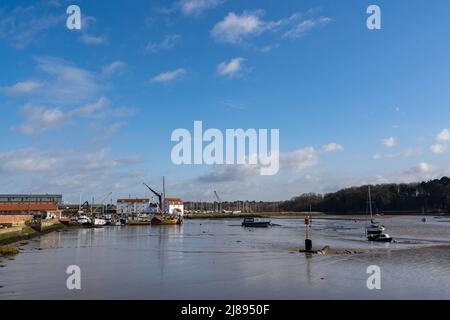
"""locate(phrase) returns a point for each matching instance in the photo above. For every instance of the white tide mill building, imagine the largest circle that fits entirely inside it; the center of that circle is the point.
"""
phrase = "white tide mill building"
(174, 206)
(131, 206)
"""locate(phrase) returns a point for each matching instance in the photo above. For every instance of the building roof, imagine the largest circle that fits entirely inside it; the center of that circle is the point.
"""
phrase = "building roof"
(14, 207)
(133, 200)
(174, 200)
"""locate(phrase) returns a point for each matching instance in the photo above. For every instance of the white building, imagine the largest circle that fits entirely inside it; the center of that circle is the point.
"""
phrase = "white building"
(174, 206)
(132, 206)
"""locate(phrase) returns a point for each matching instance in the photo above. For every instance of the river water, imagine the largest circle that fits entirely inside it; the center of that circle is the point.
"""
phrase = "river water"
(218, 259)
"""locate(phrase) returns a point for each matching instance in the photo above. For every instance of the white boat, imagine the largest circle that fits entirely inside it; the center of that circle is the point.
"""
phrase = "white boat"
(375, 228)
(82, 220)
(98, 222)
(115, 223)
(380, 238)
(374, 232)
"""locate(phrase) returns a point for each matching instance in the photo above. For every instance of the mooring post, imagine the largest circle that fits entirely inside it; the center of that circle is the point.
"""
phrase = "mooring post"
(308, 241)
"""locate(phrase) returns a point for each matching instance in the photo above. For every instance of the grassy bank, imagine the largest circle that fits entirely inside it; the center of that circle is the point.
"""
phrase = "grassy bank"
(27, 233)
(8, 251)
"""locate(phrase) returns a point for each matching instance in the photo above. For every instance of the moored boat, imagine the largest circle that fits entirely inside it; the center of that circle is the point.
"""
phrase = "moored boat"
(139, 221)
(256, 223)
(98, 222)
(380, 238)
(375, 232)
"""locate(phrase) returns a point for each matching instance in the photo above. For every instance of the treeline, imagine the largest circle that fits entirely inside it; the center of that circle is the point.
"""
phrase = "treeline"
(425, 197)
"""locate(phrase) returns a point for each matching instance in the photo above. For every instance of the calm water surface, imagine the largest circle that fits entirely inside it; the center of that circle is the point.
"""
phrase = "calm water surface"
(218, 259)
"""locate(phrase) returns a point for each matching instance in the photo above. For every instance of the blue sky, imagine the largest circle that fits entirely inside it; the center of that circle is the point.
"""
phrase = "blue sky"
(93, 110)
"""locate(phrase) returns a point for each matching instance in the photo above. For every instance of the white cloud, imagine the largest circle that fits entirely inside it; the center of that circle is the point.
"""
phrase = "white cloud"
(20, 88)
(438, 148)
(39, 119)
(196, 7)
(410, 152)
(91, 110)
(389, 142)
(442, 140)
(291, 163)
(24, 26)
(94, 172)
(67, 83)
(237, 28)
(443, 136)
(169, 75)
(26, 160)
(304, 26)
(331, 147)
(90, 39)
(231, 68)
(296, 161)
(167, 43)
(113, 68)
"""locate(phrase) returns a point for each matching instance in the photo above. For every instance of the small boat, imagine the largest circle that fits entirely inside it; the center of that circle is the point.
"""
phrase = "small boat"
(375, 228)
(380, 238)
(256, 223)
(98, 222)
(374, 231)
(139, 221)
(115, 223)
(82, 220)
(65, 221)
(163, 221)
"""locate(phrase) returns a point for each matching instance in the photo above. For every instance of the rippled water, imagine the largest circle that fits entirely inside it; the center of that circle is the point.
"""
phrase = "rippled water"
(218, 259)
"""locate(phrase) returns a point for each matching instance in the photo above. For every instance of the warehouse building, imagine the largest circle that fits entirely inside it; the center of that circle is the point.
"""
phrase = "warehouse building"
(31, 198)
(16, 209)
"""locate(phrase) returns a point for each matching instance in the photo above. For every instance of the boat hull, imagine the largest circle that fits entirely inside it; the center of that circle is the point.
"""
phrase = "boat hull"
(165, 222)
(380, 239)
(139, 223)
(256, 224)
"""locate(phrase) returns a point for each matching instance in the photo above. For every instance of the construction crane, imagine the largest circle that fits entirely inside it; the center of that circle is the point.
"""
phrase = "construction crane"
(159, 195)
(101, 203)
(219, 201)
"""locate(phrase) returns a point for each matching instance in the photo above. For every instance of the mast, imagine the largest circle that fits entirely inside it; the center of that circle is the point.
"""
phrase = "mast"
(164, 193)
(370, 205)
(159, 195)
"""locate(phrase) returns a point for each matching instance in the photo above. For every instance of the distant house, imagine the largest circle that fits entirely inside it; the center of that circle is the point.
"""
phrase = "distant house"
(174, 206)
(133, 206)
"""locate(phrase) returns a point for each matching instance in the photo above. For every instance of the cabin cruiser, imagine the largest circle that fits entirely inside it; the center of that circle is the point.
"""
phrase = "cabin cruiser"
(375, 228)
(383, 237)
(82, 220)
(256, 223)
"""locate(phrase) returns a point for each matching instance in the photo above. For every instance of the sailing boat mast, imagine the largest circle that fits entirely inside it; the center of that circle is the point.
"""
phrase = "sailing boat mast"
(164, 193)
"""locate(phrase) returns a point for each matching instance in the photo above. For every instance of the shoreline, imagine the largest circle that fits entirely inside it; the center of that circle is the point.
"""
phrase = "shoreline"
(27, 233)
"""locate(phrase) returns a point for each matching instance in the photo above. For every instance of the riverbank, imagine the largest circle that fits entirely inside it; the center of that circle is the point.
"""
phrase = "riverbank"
(26, 233)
